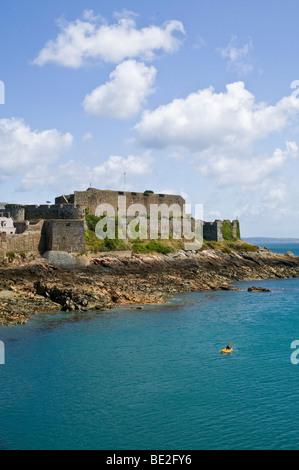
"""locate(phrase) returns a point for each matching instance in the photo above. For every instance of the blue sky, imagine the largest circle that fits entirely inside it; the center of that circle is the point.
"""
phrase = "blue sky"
(188, 97)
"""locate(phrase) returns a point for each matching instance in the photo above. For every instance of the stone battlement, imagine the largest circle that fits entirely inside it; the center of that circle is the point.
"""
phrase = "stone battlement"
(60, 226)
(21, 213)
(92, 198)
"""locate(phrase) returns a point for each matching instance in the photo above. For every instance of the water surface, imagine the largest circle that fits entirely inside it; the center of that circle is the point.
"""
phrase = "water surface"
(155, 378)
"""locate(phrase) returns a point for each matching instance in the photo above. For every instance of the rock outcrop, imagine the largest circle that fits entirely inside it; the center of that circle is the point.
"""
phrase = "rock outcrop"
(35, 286)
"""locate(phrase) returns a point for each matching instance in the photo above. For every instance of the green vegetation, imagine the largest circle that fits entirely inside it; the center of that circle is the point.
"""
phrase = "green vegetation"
(241, 246)
(238, 230)
(93, 244)
(92, 220)
(157, 246)
(229, 246)
(148, 191)
(227, 230)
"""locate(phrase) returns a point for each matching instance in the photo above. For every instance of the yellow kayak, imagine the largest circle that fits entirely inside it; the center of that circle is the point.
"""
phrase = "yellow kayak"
(226, 351)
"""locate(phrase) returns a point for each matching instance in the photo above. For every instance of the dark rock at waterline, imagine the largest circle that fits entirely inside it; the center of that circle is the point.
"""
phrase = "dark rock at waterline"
(258, 289)
(35, 285)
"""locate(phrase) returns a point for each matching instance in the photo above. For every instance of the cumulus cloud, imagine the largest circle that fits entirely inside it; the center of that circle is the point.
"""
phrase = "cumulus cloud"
(221, 130)
(207, 120)
(21, 147)
(123, 96)
(238, 56)
(90, 38)
(231, 170)
(74, 174)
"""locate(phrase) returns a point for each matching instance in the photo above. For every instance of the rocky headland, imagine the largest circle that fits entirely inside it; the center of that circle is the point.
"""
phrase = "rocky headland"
(30, 285)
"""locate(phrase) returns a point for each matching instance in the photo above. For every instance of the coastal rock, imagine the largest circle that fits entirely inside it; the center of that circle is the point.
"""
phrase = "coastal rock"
(258, 289)
(34, 286)
(60, 259)
(72, 299)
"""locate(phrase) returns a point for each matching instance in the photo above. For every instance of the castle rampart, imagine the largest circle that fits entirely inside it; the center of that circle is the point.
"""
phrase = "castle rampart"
(221, 230)
(46, 235)
(60, 227)
(92, 198)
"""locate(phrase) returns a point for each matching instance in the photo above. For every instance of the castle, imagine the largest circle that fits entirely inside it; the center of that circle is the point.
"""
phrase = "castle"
(61, 226)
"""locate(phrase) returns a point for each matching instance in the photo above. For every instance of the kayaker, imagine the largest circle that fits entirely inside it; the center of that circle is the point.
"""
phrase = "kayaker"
(228, 348)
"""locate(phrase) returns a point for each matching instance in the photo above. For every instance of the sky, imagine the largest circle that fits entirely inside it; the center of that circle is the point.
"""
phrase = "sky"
(196, 98)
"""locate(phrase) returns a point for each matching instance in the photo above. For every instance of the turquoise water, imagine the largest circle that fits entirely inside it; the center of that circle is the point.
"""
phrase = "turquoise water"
(282, 248)
(154, 378)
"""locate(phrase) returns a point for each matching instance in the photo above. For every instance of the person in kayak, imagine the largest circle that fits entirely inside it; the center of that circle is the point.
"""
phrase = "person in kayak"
(228, 348)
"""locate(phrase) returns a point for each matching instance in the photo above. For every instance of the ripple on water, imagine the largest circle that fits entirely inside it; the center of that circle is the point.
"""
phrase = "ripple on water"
(155, 378)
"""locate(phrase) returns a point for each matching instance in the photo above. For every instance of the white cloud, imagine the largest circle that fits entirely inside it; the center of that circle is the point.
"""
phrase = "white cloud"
(231, 170)
(123, 96)
(73, 174)
(220, 131)
(238, 56)
(22, 148)
(87, 136)
(276, 195)
(204, 121)
(89, 39)
(112, 171)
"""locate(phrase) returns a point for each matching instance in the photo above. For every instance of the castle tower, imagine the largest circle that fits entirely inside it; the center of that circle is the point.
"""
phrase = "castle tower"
(16, 212)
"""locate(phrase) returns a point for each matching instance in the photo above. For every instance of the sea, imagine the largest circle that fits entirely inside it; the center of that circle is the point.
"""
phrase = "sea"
(155, 379)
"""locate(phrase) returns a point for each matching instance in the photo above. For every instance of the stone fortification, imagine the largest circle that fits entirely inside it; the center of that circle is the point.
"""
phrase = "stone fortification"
(46, 235)
(60, 227)
(92, 198)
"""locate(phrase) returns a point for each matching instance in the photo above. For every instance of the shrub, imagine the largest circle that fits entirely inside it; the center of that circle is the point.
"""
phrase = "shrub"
(91, 221)
(227, 230)
(154, 246)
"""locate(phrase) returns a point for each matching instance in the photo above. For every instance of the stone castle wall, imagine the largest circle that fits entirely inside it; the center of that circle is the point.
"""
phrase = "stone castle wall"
(62, 224)
(31, 240)
(46, 235)
(62, 235)
(74, 206)
(45, 212)
(92, 198)
(213, 231)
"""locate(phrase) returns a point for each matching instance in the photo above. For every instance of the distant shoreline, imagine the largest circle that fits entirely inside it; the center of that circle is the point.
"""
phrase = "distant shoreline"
(265, 240)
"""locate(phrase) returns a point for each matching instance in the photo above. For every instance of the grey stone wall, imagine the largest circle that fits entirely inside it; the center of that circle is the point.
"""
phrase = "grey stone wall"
(15, 211)
(212, 231)
(48, 235)
(63, 235)
(92, 198)
(31, 240)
